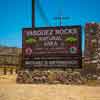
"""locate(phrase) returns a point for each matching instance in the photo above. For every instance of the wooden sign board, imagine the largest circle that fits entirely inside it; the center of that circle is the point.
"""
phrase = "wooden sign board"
(52, 47)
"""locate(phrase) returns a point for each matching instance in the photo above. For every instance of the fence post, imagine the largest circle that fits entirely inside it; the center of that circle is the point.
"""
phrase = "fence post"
(11, 71)
(5, 71)
(16, 70)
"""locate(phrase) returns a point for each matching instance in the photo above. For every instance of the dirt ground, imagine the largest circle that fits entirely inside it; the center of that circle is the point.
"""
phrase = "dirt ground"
(9, 90)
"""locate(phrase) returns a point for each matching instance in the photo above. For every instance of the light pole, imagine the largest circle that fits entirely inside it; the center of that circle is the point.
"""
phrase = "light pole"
(61, 19)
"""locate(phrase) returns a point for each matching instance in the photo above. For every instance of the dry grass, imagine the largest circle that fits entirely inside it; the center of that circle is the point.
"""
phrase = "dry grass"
(9, 90)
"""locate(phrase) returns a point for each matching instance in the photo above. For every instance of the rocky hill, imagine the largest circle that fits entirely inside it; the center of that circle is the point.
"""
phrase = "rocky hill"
(9, 55)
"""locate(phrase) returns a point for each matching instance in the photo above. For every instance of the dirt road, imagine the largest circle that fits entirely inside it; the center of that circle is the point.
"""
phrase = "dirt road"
(9, 90)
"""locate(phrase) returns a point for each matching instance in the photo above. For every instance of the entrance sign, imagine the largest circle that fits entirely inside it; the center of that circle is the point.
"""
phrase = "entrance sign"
(52, 47)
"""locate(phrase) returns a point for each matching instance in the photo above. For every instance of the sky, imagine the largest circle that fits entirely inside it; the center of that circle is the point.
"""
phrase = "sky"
(17, 14)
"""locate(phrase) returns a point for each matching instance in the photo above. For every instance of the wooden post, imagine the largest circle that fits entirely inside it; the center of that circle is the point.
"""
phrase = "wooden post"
(5, 71)
(11, 71)
(33, 14)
